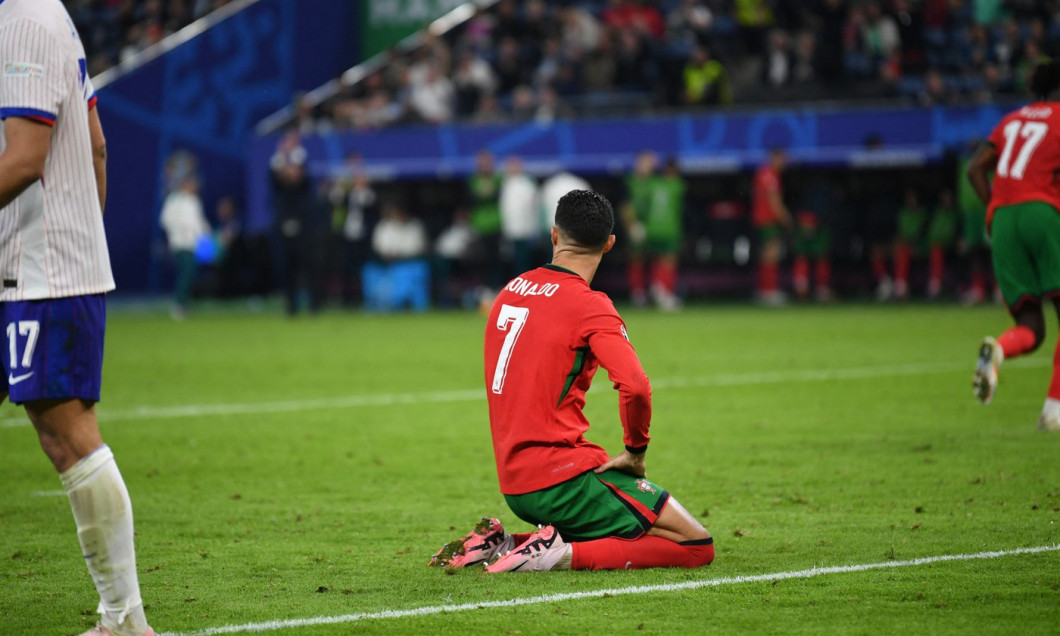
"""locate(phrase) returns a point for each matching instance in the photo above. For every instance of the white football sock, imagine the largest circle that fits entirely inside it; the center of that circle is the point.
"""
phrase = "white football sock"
(103, 513)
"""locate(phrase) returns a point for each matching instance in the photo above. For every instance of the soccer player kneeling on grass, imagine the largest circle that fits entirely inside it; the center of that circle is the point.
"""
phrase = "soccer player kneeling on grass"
(545, 337)
(1023, 217)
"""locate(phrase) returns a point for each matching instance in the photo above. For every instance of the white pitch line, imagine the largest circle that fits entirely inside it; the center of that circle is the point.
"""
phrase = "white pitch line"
(622, 591)
(472, 395)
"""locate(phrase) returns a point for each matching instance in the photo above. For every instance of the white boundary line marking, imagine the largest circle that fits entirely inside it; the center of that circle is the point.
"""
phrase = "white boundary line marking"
(622, 591)
(471, 395)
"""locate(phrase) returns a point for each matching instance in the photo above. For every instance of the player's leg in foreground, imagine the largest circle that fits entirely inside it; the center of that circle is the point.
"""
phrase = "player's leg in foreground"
(1021, 339)
(69, 435)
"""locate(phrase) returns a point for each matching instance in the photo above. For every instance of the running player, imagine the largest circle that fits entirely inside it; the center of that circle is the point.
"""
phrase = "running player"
(55, 270)
(546, 335)
(1023, 217)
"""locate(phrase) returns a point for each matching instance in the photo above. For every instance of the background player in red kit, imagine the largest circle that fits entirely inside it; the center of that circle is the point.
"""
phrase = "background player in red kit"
(546, 335)
(1023, 217)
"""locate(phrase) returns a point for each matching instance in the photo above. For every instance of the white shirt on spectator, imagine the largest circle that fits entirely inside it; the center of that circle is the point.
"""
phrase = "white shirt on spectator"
(519, 208)
(396, 239)
(433, 99)
(183, 220)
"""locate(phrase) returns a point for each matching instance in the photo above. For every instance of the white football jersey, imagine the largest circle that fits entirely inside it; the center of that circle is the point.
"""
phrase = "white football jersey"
(52, 242)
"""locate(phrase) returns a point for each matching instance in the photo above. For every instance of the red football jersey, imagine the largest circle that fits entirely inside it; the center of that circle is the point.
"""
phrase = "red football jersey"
(767, 181)
(1028, 147)
(547, 333)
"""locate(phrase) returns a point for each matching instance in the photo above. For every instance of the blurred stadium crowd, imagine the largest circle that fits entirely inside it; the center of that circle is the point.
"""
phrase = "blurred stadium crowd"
(543, 59)
(115, 30)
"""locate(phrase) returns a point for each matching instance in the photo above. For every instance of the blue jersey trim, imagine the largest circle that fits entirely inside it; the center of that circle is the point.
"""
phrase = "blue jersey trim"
(29, 113)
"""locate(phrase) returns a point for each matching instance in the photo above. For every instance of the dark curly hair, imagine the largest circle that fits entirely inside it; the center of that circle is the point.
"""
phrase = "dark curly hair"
(585, 217)
(1045, 80)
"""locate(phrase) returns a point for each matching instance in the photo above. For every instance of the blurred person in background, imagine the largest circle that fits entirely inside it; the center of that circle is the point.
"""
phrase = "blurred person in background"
(520, 215)
(358, 204)
(452, 252)
(233, 246)
(186, 227)
(909, 241)
(293, 206)
(973, 245)
(771, 219)
(706, 81)
(483, 198)
(398, 236)
(941, 237)
(654, 217)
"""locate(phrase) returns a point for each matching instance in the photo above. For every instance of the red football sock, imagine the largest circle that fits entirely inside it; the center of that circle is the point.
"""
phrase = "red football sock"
(768, 277)
(937, 263)
(824, 273)
(800, 275)
(1054, 384)
(902, 256)
(879, 266)
(665, 274)
(644, 552)
(1016, 341)
(636, 276)
(520, 538)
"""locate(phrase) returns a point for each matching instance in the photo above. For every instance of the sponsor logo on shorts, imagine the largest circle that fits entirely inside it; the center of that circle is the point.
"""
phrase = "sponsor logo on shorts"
(13, 379)
(644, 486)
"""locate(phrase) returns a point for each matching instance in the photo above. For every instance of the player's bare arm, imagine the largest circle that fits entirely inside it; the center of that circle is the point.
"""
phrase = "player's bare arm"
(22, 162)
(980, 166)
(99, 155)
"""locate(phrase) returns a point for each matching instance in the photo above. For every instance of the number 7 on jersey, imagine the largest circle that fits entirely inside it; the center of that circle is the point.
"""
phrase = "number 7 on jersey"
(511, 319)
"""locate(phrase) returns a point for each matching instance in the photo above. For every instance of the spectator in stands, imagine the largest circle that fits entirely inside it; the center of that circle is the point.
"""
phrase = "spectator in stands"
(778, 62)
(640, 17)
(550, 107)
(520, 215)
(509, 66)
(524, 103)
(433, 98)
(599, 68)
(472, 80)
(705, 79)
(185, 225)
(579, 29)
(688, 25)
(635, 68)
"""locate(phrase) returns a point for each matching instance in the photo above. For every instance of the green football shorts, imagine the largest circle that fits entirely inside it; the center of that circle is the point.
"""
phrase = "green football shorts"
(591, 506)
(1026, 241)
(767, 233)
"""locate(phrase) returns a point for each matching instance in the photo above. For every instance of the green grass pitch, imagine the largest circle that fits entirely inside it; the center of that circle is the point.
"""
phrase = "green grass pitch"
(304, 469)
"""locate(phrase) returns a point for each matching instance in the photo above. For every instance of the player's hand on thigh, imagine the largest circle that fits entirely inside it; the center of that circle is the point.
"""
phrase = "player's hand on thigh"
(625, 462)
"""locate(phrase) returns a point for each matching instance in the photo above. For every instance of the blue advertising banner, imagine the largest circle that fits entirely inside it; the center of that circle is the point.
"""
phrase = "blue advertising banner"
(702, 143)
(204, 98)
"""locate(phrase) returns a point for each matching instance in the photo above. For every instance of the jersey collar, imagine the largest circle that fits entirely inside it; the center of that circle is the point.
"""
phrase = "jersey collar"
(555, 268)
